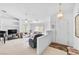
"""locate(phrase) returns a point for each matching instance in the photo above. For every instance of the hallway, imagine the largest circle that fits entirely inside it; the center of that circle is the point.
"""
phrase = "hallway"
(19, 47)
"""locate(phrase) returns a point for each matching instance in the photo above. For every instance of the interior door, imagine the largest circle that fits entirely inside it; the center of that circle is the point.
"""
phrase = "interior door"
(61, 32)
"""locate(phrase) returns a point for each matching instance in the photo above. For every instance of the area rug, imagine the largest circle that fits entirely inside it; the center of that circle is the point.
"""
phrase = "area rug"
(59, 46)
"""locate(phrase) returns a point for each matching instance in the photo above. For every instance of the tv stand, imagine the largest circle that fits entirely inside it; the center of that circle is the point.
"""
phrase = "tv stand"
(12, 36)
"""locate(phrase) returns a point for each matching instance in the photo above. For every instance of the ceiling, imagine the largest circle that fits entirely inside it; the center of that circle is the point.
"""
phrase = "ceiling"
(35, 10)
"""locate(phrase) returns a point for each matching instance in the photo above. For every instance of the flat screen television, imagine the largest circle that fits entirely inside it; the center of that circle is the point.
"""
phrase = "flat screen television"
(2, 31)
(12, 31)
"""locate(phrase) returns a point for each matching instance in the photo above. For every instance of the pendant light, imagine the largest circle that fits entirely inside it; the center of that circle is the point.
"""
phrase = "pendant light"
(60, 13)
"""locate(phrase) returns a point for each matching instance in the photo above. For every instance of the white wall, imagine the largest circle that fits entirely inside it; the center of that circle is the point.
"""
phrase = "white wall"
(63, 29)
(8, 23)
(75, 40)
(43, 42)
